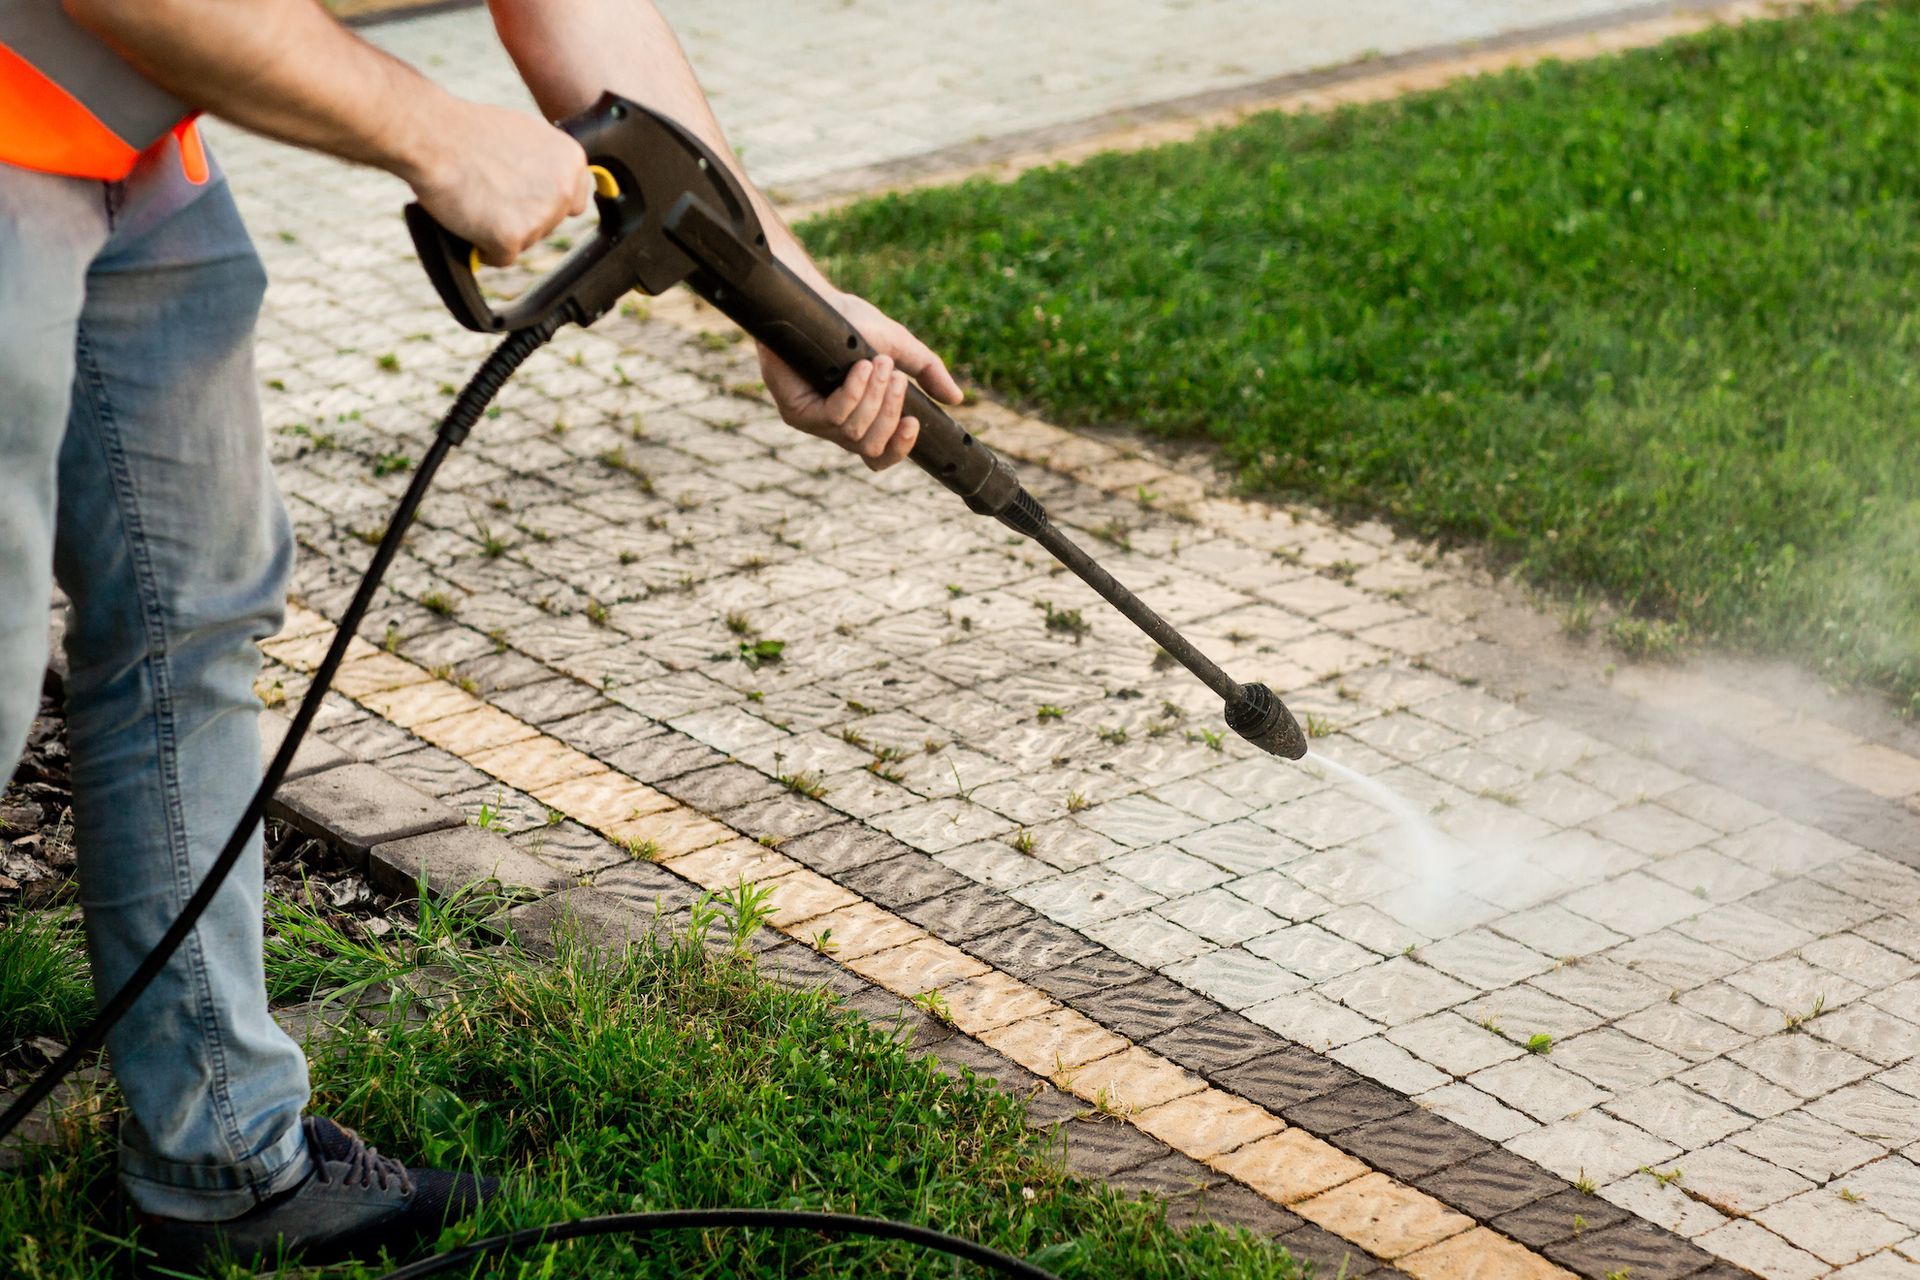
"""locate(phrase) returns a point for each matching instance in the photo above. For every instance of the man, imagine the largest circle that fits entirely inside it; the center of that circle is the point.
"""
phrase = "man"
(132, 468)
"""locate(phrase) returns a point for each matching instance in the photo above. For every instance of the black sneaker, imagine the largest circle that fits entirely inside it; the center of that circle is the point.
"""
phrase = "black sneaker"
(354, 1203)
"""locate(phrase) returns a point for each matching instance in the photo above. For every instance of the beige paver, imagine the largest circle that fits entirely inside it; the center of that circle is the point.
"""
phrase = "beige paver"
(721, 866)
(803, 896)
(606, 801)
(1131, 1081)
(1387, 1218)
(1290, 1166)
(857, 930)
(535, 764)
(1054, 1042)
(993, 1000)
(1480, 1254)
(468, 734)
(925, 965)
(375, 673)
(412, 705)
(1208, 1123)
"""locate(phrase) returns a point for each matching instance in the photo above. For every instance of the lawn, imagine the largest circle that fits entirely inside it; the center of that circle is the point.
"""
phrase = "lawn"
(1642, 328)
(673, 1075)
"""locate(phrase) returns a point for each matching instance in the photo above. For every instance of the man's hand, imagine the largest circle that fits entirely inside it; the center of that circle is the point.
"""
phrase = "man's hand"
(863, 415)
(503, 180)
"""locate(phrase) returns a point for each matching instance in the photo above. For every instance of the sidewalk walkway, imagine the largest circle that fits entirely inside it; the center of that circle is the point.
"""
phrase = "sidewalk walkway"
(1669, 953)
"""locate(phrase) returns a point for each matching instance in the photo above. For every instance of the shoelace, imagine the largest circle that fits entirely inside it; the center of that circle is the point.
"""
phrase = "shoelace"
(365, 1166)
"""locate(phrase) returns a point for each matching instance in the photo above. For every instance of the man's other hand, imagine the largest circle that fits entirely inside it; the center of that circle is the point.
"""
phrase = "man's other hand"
(503, 180)
(863, 415)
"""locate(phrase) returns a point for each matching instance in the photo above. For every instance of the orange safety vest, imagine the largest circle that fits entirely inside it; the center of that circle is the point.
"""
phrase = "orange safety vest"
(69, 104)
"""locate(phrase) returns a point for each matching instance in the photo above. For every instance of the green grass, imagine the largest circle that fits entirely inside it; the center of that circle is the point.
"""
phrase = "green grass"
(665, 1076)
(1645, 324)
(43, 977)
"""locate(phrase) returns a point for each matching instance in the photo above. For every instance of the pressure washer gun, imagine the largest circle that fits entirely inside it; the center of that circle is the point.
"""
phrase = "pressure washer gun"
(669, 211)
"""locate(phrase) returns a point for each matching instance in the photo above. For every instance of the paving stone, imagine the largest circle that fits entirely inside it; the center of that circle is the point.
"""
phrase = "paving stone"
(1890, 1187)
(1855, 958)
(1831, 1227)
(548, 701)
(1208, 1123)
(1677, 1113)
(1215, 1043)
(1872, 1111)
(314, 755)
(1234, 978)
(1885, 1265)
(1753, 1247)
(356, 807)
(1453, 1044)
(968, 913)
(1387, 1219)
(902, 881)
(993, 1000)
(1360, 1103)
(1398, 991)
(1231, 1205)
(1609, 989)
(1483, 959)
(1086, 974)
(1219, 916)
(1287, 1076)
(918, 966)
(1410, 1145)
(1633, 1247)
(1386, 1063)
(1615, 1061)
(1728, 1082)
(1311, 952)
(841, 848)
(1103, 1148)
(1289, 1166)
(1592, 1145)
(1664, 1204)
(1049, 1043)
(1491, 1183)
(1132, 1080)
(453, 858)
(1680, 1030)
(1559, 1217)
(1535, 1085)
(1172, 1177)
(1477, 1112)
(1673, 960)
(1333, 1256)
(1807, 1145)
(1148, 939)
(1030, 947)
(1801, 1064)
(1745, 931)
(1311, 1019)
(1144, 1009)
(1083, 897)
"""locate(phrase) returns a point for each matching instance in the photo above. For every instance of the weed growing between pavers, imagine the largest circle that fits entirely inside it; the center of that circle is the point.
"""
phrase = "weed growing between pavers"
(1643, 324)
(672, 1075)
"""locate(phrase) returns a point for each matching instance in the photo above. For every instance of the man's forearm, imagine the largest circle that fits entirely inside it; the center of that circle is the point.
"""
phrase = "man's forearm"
(284, 68)
(571, 51)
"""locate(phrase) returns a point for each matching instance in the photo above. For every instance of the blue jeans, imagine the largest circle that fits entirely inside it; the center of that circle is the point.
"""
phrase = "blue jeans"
(133, 468)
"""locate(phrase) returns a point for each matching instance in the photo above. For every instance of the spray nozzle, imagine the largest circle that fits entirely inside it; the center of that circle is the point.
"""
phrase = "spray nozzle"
(1258, 715)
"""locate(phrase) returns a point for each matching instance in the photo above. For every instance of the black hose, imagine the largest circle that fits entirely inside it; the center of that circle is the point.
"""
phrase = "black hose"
(832, 1224)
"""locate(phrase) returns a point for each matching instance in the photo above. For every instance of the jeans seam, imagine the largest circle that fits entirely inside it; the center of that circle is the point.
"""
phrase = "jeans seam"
(154, 624)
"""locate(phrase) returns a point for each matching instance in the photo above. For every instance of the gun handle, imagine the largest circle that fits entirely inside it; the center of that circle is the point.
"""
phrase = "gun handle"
(759, 293)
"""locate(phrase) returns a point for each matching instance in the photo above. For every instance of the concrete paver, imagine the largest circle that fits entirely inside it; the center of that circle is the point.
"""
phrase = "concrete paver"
(1727, 972)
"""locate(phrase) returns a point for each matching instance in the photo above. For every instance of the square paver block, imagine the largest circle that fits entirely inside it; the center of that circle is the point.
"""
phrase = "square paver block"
(1491, 1184)
(1412, 1145)
(1386, 1218)
(415, 704)
(1031, 947)
(536, 764)
(1130, 1081)
(1398, 991)
(1359, 1103)
(1637, 1248)
(608, 802)
(925, 965)
(1453, 1044)
(1757, 1251)
(1228, 1204)
(801, 896)
(1609, 989)
(1150, 1007)
(1592, 1145)
(1208, 1123)
(722, 866)
(454, 857)
(1289, 1166)
(314, 755)
(1172, 1177)
(968, 913)
(1286, 1076)
(1678, 1114)
(358, 806)
(1559, 1217)
(471, 732)
(1534, 1085)
(1235, 978)
(1481, 1112)
(1215, 1043)
(993, 1000)
(1831, 1227)
(1054, 1042)
(1100, 1148)
(1086, 974)
(1808, 1145)
(1801, 1064)
(1484, 959)
(1614, 1060)
(1479, 1254)
(860, 929)
(375, 672)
